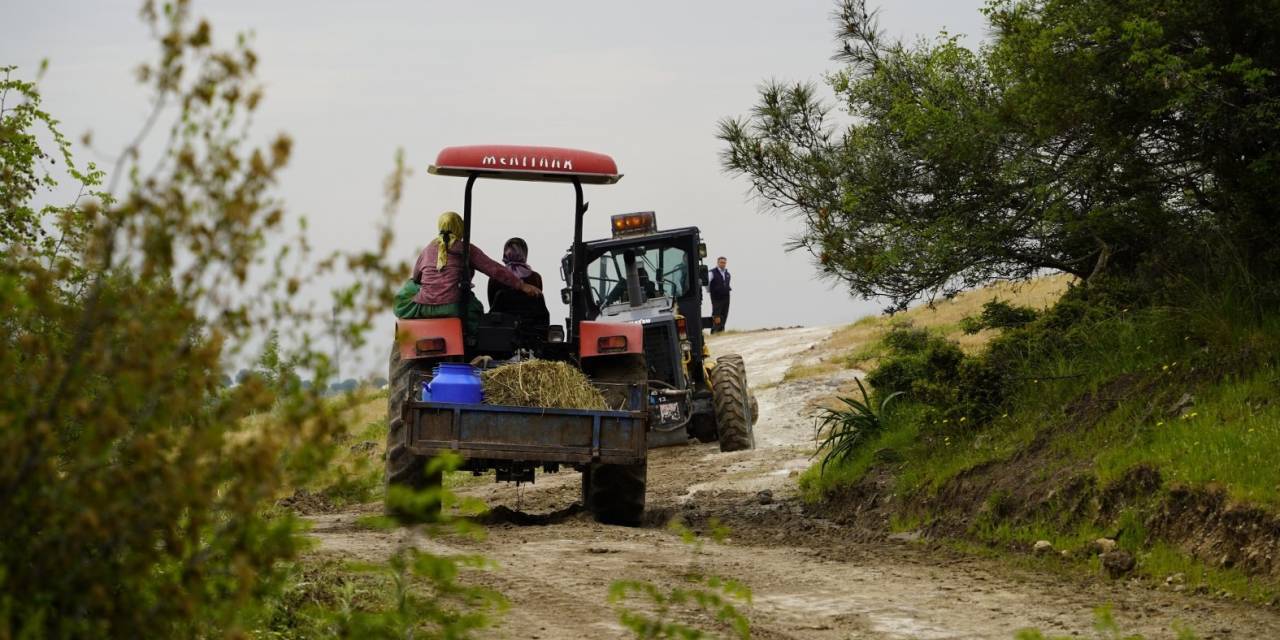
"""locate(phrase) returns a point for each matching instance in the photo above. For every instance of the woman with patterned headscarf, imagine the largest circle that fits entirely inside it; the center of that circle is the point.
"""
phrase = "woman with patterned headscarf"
(530, 310)
(438, 274)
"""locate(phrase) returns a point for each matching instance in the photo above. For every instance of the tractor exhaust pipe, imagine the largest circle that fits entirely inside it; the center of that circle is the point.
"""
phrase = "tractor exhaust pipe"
(635, 292)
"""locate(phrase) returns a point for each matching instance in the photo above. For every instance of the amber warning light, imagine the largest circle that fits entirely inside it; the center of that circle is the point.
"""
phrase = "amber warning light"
(612, 344)
(625, 224)
(429, 345)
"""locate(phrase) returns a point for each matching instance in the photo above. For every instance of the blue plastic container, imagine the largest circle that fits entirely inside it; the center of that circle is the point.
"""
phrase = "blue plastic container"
(455, 383)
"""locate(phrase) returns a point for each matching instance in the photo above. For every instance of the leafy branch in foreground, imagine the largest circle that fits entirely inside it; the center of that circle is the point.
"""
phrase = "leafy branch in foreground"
(710, 594)
(1105, 628)
(50, 232)
(715, 596)
(414, 594)
(141, 493)
(849, 427)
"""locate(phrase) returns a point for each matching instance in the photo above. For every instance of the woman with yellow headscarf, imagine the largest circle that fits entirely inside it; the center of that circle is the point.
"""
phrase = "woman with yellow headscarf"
(434, 290)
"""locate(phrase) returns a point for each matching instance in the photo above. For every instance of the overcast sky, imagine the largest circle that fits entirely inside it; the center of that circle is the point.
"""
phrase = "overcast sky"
(644, 82)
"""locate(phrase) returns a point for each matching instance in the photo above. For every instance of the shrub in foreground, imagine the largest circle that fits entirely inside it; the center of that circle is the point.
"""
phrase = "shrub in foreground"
(136, 493)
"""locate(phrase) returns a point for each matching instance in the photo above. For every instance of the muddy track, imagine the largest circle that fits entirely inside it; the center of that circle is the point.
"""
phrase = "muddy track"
(810, 578)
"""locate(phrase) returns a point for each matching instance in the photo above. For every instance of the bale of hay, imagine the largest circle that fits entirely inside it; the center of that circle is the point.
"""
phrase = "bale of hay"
(541, 383)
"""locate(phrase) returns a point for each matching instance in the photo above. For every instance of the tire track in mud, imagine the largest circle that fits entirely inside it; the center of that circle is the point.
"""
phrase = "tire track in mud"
(809, 577)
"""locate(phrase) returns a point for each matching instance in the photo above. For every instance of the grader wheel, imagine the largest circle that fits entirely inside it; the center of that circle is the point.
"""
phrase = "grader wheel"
(734, 404)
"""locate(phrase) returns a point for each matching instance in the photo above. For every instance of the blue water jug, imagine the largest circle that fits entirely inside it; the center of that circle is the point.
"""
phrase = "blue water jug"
(455, 383)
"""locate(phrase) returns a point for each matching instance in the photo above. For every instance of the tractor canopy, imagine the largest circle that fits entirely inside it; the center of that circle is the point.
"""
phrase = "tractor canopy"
(519, 162)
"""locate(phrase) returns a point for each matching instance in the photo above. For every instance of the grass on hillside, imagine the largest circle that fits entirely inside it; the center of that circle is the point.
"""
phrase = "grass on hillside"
(1161, 388)
(1228, 434)
(859, 346)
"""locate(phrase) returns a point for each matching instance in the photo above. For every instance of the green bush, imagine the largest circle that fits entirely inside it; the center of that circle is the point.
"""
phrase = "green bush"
(906, 339)
(931, 370)
(137, 492)
(846, 429)
(923, 366)
(998, 314)
(905, 361)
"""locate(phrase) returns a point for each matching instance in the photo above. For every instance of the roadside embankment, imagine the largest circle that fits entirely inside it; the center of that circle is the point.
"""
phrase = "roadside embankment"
(1136, 440)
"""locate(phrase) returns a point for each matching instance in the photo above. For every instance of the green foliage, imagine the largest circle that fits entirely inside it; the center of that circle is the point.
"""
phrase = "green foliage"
(1108, 380)
(50, 232)
(143, 490)
(356, 474)
(1136, 137)
(998, 314)
(277, 370)
(917, 363)
(969, 391)
(848, 428)
(1105, 628)
(932, 370)
(709, 595)
(414, 594)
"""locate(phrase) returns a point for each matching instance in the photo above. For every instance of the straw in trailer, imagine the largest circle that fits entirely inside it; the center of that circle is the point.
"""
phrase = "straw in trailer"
(541, 383)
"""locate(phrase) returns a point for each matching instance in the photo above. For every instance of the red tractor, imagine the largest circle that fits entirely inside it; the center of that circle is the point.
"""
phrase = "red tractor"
(608, 447)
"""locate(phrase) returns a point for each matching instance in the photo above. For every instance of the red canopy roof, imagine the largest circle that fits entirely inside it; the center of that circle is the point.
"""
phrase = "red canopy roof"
(518, 162)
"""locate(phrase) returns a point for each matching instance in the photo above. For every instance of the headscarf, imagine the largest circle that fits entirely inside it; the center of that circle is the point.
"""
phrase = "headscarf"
(514, 255)
(450, 225)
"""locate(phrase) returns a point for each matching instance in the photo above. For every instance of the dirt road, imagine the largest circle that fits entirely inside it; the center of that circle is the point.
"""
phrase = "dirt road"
(810, 578)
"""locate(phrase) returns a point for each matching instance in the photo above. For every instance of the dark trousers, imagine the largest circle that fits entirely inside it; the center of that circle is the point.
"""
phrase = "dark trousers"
(720, 308)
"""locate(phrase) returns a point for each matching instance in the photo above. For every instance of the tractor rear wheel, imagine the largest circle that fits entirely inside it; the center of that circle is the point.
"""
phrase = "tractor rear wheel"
(404, 468)
(614, 493)
(733, 403)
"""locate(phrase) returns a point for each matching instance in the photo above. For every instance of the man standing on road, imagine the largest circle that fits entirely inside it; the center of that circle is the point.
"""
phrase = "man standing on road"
(720, 294)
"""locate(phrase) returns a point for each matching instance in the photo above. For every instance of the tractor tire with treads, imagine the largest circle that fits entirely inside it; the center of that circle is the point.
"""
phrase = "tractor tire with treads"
(404, 468)
(734, 408)
(614, 493)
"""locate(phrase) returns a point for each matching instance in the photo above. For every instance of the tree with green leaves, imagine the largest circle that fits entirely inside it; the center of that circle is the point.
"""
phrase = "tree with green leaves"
(27, 172)
(1129, 138)
(138, 498)
(277, 370)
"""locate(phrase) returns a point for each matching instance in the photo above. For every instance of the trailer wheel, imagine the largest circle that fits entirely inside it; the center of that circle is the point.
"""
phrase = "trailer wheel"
(733, 402)
(755, 414)
(404, 468)
(614, 493)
